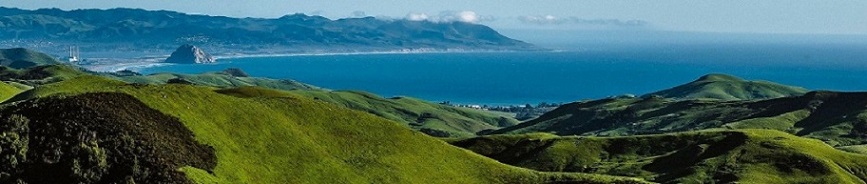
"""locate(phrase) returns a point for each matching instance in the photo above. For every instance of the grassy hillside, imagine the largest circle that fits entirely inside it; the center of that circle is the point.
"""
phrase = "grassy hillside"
(742, 156)
(294, 139)
(835, 117)
(431, 118)
(20, 58)
(726, 87)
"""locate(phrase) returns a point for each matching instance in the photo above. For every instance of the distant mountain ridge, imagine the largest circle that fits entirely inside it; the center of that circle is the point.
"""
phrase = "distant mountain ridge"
(168, 29)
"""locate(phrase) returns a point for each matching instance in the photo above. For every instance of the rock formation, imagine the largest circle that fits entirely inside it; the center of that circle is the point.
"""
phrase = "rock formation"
(189, 54)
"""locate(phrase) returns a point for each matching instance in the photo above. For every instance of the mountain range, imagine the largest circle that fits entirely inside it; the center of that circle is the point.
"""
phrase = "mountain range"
(137, 29)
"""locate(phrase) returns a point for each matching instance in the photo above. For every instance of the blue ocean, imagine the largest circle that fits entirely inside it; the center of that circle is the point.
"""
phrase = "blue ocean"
(564, 75)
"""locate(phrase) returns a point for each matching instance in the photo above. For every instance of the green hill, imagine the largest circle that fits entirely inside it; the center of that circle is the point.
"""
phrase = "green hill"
(255, 139)
(726, 87)
(20, 58)
(742, 156)
(835, 117)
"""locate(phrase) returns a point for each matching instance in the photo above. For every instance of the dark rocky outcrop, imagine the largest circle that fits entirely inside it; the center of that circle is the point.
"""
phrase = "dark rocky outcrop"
(96, 138)
(189, 54)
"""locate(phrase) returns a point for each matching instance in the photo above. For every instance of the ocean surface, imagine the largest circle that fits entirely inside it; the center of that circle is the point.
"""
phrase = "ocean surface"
(565, 75)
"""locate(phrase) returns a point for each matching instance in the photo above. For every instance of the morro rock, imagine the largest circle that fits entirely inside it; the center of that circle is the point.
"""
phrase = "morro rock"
(189, 54)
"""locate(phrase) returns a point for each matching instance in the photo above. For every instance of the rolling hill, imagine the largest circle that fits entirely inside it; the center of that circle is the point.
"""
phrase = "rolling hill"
(254, 139)
(727, 87)
(730, 156)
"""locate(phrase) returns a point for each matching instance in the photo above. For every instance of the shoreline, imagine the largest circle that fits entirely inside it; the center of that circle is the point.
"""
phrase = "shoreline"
(399, 51)
(135, 64)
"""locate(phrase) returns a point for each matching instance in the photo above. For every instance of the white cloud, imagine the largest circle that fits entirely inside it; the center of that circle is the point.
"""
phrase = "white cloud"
(462, 16)
(468, 16)
(416, 16)
(450, 16)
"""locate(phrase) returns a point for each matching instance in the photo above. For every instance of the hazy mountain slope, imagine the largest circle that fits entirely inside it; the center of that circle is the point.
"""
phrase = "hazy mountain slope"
(742, 156)
(169, 29)
(836, 117)
(20, 58)
(300, 140)
(726, 87)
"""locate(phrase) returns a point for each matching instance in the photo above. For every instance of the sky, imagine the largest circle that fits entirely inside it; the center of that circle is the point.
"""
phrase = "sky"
(845, 17)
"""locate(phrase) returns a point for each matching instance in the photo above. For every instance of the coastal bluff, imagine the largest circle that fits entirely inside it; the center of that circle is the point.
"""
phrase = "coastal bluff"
(190, 54)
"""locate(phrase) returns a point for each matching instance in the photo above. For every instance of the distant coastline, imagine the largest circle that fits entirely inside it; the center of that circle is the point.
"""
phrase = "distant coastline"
(133, 64)
(398, 51)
